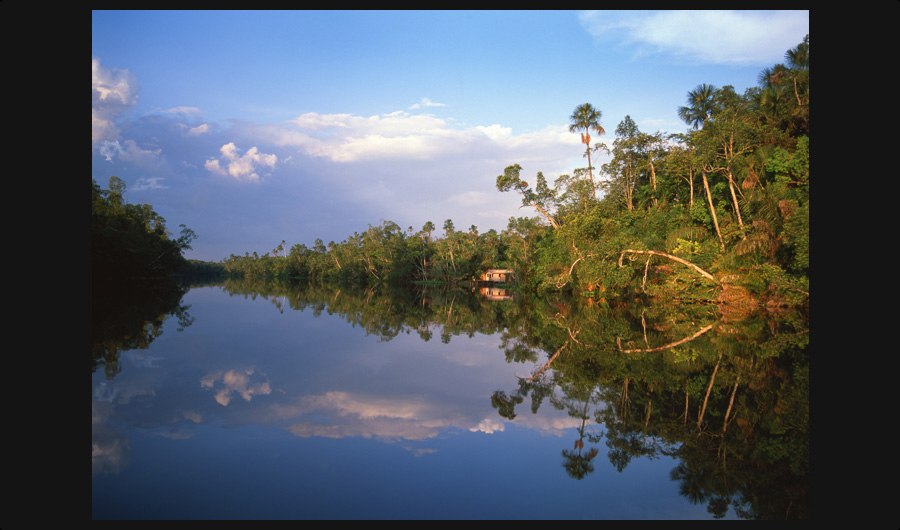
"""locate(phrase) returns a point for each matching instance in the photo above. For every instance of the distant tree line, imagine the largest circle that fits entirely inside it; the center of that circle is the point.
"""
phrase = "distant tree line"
(385, 252)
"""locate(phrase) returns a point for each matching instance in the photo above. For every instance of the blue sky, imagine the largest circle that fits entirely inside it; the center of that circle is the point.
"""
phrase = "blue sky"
(255, 127)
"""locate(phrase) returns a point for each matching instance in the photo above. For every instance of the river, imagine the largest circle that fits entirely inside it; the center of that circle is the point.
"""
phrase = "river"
(247, 400)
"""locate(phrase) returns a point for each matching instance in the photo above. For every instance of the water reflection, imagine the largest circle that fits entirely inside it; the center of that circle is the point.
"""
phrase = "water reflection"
(496, 293)
(723, 396)
(130, 316)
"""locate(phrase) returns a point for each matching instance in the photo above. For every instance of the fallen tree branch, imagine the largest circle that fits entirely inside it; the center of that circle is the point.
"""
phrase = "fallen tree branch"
(667, 346)
(702, 272)
(553, 358)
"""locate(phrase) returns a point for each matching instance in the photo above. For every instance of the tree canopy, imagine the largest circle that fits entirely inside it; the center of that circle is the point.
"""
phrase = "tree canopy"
(130, 241)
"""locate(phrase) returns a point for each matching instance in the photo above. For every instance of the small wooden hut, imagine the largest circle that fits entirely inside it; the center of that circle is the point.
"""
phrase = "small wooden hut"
(497, 275)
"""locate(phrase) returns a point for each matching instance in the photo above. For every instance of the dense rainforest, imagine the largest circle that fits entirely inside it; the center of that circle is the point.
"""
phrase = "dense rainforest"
(719, 212)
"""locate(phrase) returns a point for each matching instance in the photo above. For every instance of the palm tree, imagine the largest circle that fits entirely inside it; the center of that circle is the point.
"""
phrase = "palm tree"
(586, 119)
(798, 61)
(798, 57)
(784, 90)
(701, 105)
(427, 228)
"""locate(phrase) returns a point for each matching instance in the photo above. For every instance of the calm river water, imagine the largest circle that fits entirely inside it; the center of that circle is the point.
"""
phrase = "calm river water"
(291, 401)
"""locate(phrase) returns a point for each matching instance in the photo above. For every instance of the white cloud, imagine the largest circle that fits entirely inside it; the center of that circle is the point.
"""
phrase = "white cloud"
(241, 167)
(495, 132)
(198, 130)
(489, 426)
(425, 102)
(183, 111)
(128, 151)
(411, 168)
(148, 183)
(400, 135)
(392, 418)
(235, 382)
(718, 37)
(314, 121)
(108, 149)
(113, 94)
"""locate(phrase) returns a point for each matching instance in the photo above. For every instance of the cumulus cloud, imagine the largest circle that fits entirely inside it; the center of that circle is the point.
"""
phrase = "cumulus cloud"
(440, 168)
(348, 138)
(718, 37)
(339, 414)
(235, 382)
(114, 93)
(198, 130)
(388, 418)
(240, 166)
(401, 135)
(488, 425)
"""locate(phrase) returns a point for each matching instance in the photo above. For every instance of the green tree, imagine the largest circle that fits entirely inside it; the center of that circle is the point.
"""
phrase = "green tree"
(624, 167)
(428, 228)
(448, 228)
(727, 138)
(585, 119)
(131, 240)
(784, 91)
(701, 104)
(682, 164)
(542, 197)
(521, 234)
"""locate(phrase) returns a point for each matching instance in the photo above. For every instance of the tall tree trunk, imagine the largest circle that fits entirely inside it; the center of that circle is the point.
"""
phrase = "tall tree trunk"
(586, 140)
(691, 184)
(730, 403)
(712, 209)
(629, 186)
(708, 390)
(734, 200)
(591, 172)
(545, 214)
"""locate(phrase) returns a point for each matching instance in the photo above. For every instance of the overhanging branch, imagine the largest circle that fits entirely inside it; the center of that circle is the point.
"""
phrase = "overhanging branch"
(700, 271)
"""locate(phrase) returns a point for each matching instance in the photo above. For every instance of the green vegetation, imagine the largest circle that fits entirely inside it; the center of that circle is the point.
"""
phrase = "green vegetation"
(130, 241)
(720, 212)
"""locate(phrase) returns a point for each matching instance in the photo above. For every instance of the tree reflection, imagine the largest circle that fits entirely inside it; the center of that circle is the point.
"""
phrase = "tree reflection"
(129, 316)
(725, 395)
(576, 463)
